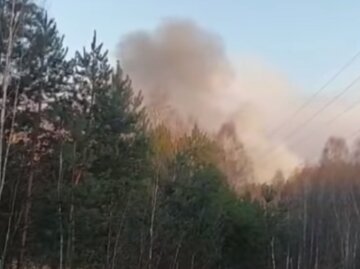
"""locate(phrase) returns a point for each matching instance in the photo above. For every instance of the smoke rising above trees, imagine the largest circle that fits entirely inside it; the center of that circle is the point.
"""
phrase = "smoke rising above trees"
(96, 175)
(187, 76)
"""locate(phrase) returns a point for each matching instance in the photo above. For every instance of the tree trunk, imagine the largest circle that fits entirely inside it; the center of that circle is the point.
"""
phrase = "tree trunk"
(9, 227)
(273, 262)
(118, 234)
(151, 228)
(177, 252)
(26, 218)
(5, 84)
(61, 235)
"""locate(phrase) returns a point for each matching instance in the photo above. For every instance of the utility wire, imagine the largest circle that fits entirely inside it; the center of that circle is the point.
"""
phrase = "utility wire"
(328, 104)
(352, 135)
(348, 109)
(321, 89)
(318, 112)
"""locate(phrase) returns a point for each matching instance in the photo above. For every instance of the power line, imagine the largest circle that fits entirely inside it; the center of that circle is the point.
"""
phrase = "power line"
(318, 112)
(350, 137)
(348, 109)
(354, 134)
(329, 103)
(321, 89)
(309, 101)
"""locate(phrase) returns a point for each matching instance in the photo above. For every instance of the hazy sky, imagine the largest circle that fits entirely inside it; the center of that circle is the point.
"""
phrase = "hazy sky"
(305, 40)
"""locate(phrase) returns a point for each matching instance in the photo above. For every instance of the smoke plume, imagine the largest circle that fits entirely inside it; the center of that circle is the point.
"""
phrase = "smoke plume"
(184, 72)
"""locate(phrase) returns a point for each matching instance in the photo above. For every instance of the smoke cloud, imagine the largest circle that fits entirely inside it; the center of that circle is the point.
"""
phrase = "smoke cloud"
(186, 76)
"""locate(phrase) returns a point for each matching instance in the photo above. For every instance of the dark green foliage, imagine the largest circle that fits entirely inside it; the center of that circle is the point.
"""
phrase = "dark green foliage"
(244, 236)
(89, 184)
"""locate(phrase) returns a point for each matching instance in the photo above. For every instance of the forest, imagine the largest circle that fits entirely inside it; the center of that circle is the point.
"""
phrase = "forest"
(89, 179)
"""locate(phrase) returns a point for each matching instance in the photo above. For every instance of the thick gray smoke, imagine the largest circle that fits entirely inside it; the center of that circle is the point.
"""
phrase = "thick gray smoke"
(186, 76)
(180, 68)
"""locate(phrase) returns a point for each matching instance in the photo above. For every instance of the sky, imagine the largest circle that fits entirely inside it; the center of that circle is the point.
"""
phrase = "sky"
(305, 40)
(301, 44)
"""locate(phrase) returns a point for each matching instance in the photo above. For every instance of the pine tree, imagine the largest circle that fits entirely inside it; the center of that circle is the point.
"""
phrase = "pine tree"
(38, 75)
(104, 156)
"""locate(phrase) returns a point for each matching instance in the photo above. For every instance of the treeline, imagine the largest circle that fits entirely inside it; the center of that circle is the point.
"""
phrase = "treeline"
(88, 181)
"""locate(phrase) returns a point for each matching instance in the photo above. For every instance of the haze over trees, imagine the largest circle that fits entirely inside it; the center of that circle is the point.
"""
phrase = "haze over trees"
(89, 180)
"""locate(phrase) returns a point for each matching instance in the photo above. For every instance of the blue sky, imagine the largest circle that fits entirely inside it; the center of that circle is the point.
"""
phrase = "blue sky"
(305, 40)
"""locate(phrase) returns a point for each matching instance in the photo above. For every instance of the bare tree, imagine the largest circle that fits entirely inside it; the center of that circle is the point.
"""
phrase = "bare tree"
(152, 220)
(13, 26)
(59, 190)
